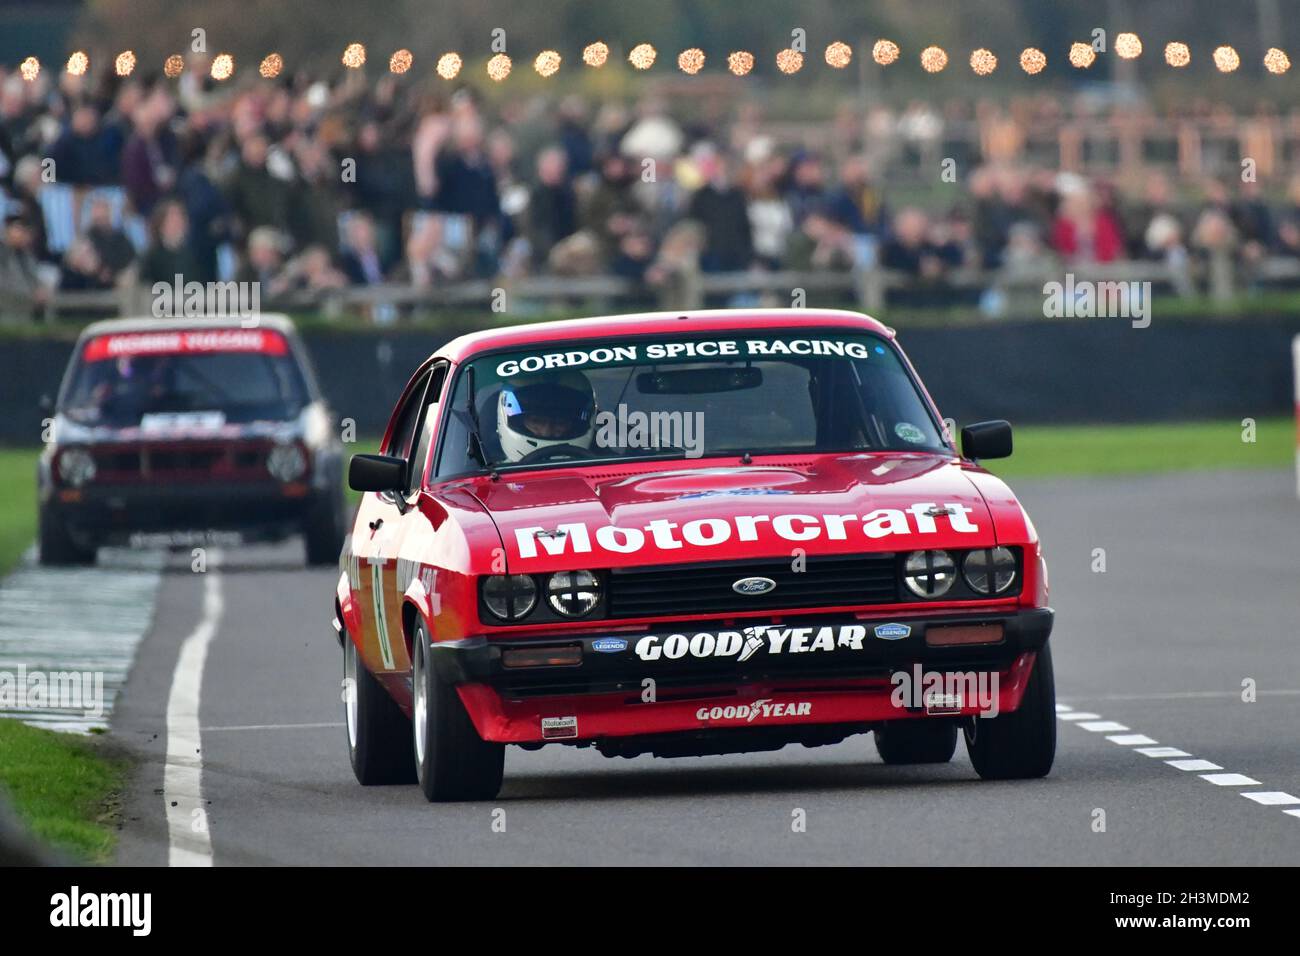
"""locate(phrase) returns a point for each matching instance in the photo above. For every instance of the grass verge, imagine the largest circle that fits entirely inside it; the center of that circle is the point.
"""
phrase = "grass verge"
(63, 787)
(17, 503)
(1082, 450)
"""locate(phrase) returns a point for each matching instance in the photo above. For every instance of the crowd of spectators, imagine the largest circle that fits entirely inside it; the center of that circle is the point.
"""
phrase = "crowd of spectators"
(307, 186)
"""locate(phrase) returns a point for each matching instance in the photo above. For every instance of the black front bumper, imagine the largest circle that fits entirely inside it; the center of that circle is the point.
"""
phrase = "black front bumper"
(479, 660)
(109, 513)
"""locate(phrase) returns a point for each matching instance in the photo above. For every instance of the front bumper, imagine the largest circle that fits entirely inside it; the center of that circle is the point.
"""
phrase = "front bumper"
(617, 692)
(110, 513)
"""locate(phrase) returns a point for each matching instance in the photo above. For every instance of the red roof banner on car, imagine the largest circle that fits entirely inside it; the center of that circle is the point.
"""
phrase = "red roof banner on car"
(185, 342)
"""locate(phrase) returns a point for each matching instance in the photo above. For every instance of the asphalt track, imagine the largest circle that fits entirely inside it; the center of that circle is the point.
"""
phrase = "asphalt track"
(1201, 592)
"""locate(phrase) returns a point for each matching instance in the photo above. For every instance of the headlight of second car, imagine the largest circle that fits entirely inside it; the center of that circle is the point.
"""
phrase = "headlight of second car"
(76, 467)
(286, 462)
(929, 574)
(573, 593)
(509, 597)
(989, 570)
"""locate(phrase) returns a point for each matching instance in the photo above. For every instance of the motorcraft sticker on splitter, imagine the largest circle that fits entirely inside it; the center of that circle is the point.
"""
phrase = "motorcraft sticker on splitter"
(554, 728)
(744, 644)
(666, 535)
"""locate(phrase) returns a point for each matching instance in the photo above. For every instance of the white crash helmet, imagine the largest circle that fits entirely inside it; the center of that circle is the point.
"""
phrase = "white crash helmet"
(545, 411)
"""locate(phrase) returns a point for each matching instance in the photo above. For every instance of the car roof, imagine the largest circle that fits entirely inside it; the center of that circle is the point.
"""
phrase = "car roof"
(650, 323)
(275, 321)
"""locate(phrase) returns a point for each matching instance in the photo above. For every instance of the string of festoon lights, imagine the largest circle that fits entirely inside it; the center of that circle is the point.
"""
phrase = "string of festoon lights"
(837, 55)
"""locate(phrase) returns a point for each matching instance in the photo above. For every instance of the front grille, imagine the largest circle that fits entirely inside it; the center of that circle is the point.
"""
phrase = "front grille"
(829, 581)
(189, 461)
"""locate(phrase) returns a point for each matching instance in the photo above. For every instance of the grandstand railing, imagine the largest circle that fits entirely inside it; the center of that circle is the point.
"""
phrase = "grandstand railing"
(1218, 279)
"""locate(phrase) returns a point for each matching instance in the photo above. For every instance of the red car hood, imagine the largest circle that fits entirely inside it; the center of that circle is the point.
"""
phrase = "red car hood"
(670, 514)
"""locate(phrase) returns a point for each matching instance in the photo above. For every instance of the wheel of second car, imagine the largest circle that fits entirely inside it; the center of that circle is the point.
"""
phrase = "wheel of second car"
(57, 546)
(323, 529)
(918, 740)
(452, 761)
(1020, 744)
(377, 730)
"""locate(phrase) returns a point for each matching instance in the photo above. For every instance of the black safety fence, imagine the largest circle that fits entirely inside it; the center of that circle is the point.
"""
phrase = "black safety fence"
(1041, 371)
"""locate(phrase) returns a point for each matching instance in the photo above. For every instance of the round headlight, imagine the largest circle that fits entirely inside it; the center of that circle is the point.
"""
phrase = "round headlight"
(573, 593)
(929, 574)
(286, 462)
(989, 570)
(76, 467)
(510, 596)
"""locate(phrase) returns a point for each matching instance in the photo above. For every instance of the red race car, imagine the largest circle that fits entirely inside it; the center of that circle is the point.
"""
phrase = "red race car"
(682, 535)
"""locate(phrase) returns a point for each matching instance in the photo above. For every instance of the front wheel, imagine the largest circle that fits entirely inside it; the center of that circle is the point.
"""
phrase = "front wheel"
(1021, 744)
(452, 761)
(57, 547)
(377, 729)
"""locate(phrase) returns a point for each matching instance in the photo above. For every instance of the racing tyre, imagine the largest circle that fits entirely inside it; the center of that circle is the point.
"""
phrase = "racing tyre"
(921, 740)
(377, 729)
(452, 761)
(323, 530)
(57, 546)
(1021, 744)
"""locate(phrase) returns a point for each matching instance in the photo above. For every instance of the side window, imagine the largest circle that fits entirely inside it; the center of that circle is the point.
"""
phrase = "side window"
(428, 425)
(408, 417)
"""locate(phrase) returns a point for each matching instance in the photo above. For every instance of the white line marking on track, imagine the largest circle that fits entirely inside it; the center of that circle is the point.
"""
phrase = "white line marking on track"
(273, 727)
(1193, 765)
(1101, 726)
(1186, 761)
(1230, 779)
(1192, 695)
(187, 824)
(1272, 798)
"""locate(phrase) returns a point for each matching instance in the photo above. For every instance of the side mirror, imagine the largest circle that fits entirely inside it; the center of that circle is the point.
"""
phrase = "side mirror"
(376, 473)
(986, 440)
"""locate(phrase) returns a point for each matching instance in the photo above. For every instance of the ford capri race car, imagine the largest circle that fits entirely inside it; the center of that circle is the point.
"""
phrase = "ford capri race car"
(682, 535)
(188, 429)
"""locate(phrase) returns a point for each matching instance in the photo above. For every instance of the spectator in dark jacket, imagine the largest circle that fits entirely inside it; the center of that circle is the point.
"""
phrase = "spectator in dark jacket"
(385, 185)
(466, 183)
(209, 212)
(83, 271)
(170, 253)
(111, 244)
(81, 153)
(552, 206)
(149, 158)
(721, 208)
(361, 259)
(257, 196)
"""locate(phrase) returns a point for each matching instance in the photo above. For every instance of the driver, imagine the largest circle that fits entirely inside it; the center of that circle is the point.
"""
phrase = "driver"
(541, 412)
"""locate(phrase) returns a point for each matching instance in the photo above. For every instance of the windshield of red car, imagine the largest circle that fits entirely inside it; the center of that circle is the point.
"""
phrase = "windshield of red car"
(194, 378)
(788, 392)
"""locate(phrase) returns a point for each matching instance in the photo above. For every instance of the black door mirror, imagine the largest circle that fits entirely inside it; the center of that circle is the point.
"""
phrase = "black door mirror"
(376, 473)
(986, 440)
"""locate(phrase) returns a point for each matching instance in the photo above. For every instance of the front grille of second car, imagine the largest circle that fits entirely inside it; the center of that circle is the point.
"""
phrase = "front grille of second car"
(830, 581)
